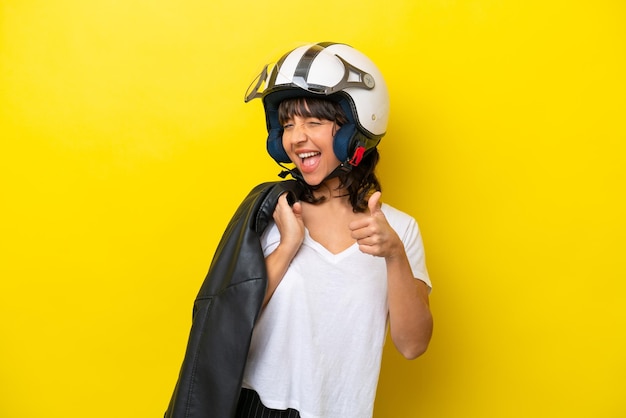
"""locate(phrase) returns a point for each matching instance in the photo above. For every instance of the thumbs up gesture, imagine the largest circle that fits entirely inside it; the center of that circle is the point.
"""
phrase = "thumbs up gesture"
(374, 234)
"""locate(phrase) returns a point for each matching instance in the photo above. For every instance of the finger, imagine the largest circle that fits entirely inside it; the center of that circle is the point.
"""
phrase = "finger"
(283, 200)
(374, 203)
(358, 224)
(367, 248)
(297, 208)
(360, 233)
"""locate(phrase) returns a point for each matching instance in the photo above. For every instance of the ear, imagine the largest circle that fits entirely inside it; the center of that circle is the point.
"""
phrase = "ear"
(275, 146)
(342, 140)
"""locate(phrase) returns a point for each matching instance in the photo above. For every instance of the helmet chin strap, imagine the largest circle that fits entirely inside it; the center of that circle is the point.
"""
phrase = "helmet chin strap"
(294, 173)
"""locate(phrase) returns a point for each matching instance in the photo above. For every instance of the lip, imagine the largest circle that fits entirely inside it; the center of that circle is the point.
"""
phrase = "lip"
(311, 161)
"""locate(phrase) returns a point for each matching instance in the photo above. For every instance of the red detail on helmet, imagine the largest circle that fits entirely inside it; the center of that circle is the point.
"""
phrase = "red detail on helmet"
(358, 156)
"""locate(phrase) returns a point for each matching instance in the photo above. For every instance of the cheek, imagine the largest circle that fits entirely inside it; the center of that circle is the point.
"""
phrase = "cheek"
(286, 142)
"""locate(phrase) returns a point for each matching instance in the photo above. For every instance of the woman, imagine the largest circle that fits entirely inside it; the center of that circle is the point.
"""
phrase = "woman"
(341, 265)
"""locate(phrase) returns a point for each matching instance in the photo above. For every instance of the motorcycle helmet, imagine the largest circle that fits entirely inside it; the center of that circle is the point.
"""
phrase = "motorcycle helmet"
(332, 71)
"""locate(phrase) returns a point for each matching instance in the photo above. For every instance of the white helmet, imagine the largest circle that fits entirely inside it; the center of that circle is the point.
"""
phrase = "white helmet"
(333, 71)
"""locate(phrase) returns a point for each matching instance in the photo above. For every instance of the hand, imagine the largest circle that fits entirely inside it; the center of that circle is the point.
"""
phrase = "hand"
(289, 222)
(291, 228)
(374, 234)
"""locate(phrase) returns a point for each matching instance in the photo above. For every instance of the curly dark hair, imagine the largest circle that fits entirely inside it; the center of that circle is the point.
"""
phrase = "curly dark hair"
(360, 181)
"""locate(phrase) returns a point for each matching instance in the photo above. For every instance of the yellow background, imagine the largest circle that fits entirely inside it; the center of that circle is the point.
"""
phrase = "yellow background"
(126, 146)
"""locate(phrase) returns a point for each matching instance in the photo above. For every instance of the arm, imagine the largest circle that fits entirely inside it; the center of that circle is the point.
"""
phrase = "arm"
(410, 318)
(291, 228)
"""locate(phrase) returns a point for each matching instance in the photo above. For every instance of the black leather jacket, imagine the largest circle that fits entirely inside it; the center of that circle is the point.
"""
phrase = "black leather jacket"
(226, 310)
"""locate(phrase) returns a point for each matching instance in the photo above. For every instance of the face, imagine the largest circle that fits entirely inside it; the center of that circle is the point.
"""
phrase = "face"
(308, 142)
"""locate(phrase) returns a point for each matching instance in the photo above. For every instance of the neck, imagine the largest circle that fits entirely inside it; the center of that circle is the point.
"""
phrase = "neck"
(331, 190)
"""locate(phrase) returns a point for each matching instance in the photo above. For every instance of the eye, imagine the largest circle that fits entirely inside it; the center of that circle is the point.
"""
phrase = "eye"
(314, 122)
(287, 125)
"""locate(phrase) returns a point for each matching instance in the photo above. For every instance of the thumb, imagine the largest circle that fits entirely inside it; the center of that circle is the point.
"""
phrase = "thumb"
(297, 209)
(374, 203)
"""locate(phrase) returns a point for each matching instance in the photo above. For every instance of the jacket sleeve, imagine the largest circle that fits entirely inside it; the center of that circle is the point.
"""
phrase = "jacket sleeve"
(225, 311)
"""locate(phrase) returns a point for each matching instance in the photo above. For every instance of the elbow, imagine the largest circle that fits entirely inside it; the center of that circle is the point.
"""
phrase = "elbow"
(414, 344)
(414, 351)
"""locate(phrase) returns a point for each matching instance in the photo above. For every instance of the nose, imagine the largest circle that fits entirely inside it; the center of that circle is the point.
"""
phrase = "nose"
(299, 133)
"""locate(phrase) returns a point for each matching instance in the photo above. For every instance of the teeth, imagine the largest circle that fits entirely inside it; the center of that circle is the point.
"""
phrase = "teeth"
(307, 154)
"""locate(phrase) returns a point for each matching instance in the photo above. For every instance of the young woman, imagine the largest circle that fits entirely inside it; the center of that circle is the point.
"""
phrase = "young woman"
(342, 266)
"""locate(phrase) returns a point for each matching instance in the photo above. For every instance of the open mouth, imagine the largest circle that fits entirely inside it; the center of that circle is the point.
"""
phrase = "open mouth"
(309, 160)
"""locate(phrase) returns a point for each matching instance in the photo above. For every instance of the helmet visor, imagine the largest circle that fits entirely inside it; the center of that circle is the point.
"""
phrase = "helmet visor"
(284, 74)
(260, 83)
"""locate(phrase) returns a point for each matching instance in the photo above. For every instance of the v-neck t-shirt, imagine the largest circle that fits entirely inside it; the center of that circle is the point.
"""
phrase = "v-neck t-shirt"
(317, 345)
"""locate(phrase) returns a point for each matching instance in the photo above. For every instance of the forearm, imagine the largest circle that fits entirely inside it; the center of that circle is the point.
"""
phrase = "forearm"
(410, 319)
(291, 228)
(276, 265)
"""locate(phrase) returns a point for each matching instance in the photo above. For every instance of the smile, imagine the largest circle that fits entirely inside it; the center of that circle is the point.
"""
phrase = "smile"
(307, 155)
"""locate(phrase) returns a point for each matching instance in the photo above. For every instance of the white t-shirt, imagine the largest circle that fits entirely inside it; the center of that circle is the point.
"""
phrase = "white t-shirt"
(317, 345)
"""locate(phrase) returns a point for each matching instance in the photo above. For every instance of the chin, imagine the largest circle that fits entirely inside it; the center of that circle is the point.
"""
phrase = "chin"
(313, 182)
(316, 178)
